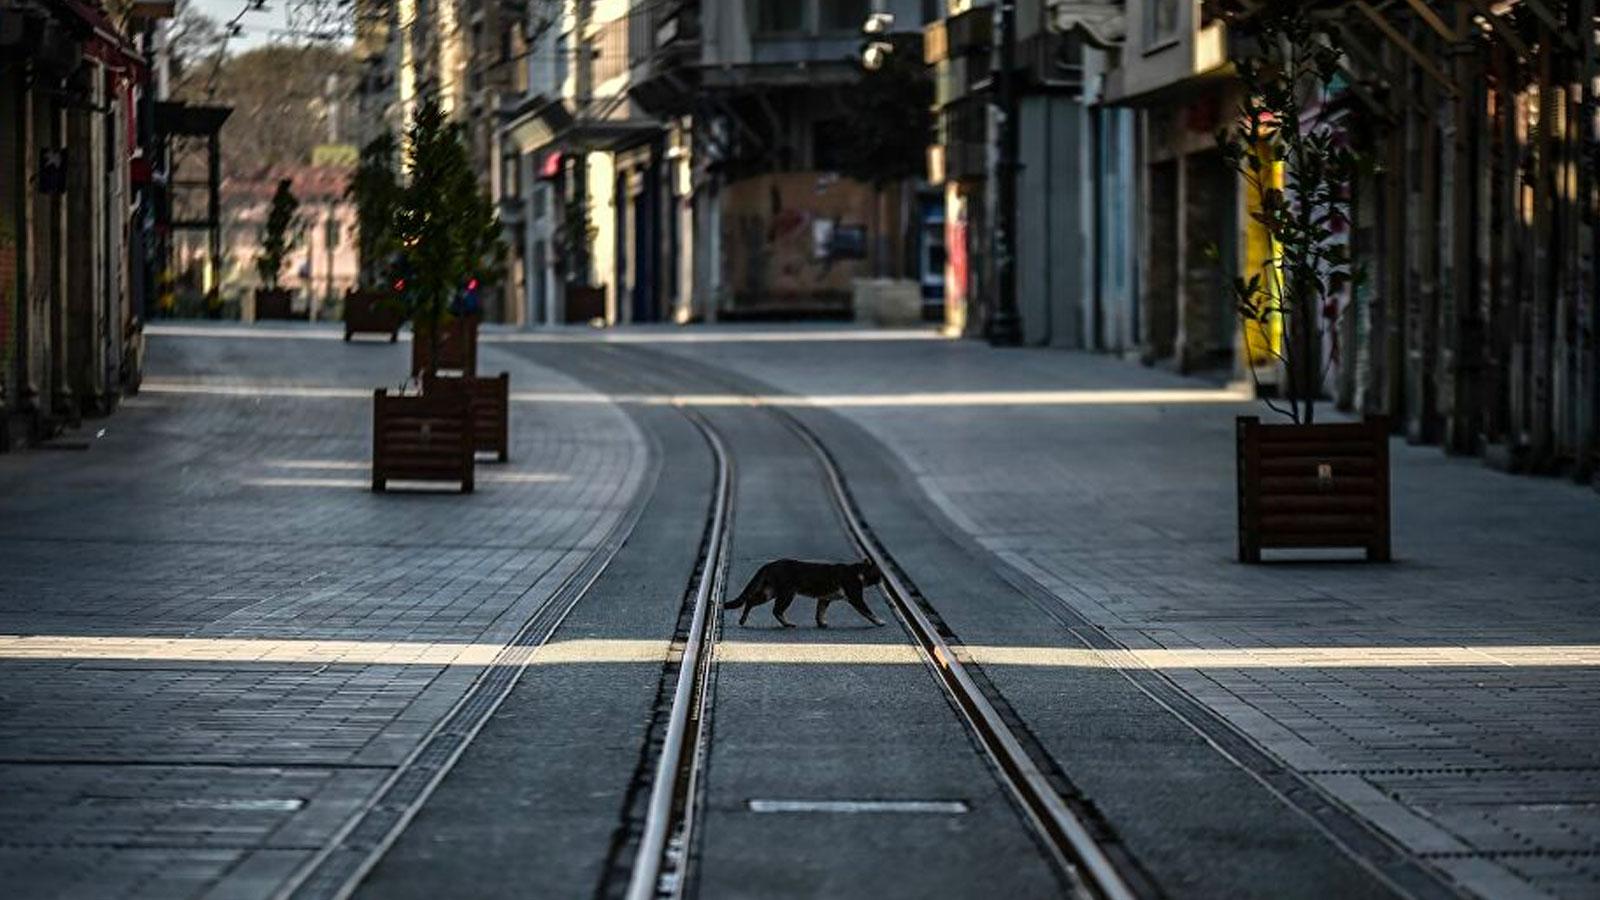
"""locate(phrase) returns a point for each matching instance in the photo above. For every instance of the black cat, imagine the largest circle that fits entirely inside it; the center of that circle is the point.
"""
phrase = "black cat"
(781, 579)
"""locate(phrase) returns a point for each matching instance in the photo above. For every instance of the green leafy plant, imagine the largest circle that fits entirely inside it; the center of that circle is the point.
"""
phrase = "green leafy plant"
(573, 238)
(889, 119)
(445, 226)
(375, 189)
(884, 136)
(278, 235)
(1287, 145)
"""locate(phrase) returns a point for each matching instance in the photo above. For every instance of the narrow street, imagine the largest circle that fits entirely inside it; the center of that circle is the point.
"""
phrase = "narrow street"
(231, 670)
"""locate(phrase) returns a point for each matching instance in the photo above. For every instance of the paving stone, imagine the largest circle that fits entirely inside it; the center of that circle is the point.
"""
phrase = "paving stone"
(1125, 512)
(242, 520)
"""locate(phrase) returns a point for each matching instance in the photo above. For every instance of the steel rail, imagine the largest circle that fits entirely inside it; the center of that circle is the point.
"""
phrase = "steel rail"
(1073, 843)
(336, 870)
(662, 859)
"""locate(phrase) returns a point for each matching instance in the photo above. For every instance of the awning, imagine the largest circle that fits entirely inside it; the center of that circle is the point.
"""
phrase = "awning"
(1103, 25)
(551, 123)
(538, 124)
(102, 40)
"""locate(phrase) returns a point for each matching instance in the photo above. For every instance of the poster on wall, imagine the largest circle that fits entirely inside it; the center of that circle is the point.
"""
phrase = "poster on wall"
(850, 242)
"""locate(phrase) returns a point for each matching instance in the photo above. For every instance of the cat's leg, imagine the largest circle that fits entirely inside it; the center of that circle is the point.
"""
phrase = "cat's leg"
(780, 606)
(852, 593)
(822, 611)
(759, 598)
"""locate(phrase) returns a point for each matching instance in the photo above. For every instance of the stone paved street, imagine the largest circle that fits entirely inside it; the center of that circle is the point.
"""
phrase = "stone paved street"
(242, 640)
(1451, 697)
(220, 653)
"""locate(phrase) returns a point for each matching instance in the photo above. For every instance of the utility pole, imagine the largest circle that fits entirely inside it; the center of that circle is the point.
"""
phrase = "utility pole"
(1004, 327)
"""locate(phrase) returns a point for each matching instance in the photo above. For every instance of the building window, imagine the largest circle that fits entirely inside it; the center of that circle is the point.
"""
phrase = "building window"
(1160, 22)
(932, 11)
(842, 15)
(778, 16)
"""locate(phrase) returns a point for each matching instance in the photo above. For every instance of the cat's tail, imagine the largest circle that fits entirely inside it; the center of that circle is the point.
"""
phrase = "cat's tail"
(750, 592)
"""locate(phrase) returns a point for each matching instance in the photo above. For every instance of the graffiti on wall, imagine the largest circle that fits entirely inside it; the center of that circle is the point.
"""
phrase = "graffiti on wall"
(794, 240)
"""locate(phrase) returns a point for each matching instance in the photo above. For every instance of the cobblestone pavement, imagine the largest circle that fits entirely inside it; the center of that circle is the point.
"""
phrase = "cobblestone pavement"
(1451, 698)
(216, 643)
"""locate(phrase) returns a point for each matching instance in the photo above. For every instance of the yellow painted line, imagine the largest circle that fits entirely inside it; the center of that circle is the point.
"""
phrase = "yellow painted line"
(788, 652)
(930, 399)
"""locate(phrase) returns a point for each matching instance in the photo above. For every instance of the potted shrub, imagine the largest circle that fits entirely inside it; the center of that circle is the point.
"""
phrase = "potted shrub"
(1301, 483)
(277, 238)
(583, 302)
(445, 233)
(375, 190)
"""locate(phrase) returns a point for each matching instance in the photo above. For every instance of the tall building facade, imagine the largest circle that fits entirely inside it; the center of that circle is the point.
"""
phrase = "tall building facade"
(77, 187)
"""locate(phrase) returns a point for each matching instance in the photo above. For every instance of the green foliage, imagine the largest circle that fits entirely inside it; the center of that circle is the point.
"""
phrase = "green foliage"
(277, 237)
(445, 227)
(375, 190)
(1289, 69)
(573, 239)
(890, 121)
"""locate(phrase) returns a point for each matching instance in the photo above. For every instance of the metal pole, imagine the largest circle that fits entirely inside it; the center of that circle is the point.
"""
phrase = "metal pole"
(1004, 326)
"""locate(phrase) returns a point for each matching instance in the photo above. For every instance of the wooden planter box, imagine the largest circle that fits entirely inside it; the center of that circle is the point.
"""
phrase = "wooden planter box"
(458, 346)
(1313, 486)
(366, 313)
(584, 304)
(491, 409)
(274, 303)
(423, 438)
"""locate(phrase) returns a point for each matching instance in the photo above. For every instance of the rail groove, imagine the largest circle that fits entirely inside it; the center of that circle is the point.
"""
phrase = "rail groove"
(661, 863)
(1072, 842)
(336, 871)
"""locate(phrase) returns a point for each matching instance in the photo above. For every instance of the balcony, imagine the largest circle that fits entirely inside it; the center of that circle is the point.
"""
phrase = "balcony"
(664, 45)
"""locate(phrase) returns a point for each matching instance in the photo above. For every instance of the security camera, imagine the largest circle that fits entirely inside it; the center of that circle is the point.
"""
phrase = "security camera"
(878, 23)
(876, 54)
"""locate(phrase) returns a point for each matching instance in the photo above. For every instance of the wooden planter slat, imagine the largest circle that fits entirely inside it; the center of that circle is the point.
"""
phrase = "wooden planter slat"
(1294, 465)
(1317, 523)
(491, 410)
(1304, 486)
(1321, 503)
(1311, 486)
(1316, 541)
(458, 347)
(274, 303)
(422, 438)
(366, 313)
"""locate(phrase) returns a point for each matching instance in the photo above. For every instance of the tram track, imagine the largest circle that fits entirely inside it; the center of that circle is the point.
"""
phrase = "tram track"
(337, 869)
(661, 867)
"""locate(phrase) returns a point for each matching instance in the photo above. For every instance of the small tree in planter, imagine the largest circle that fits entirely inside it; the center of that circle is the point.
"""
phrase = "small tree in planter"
(445, 228)
(446, 234)
(375, 190)
(277, 239)
(890, 125)
(1303, 484)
